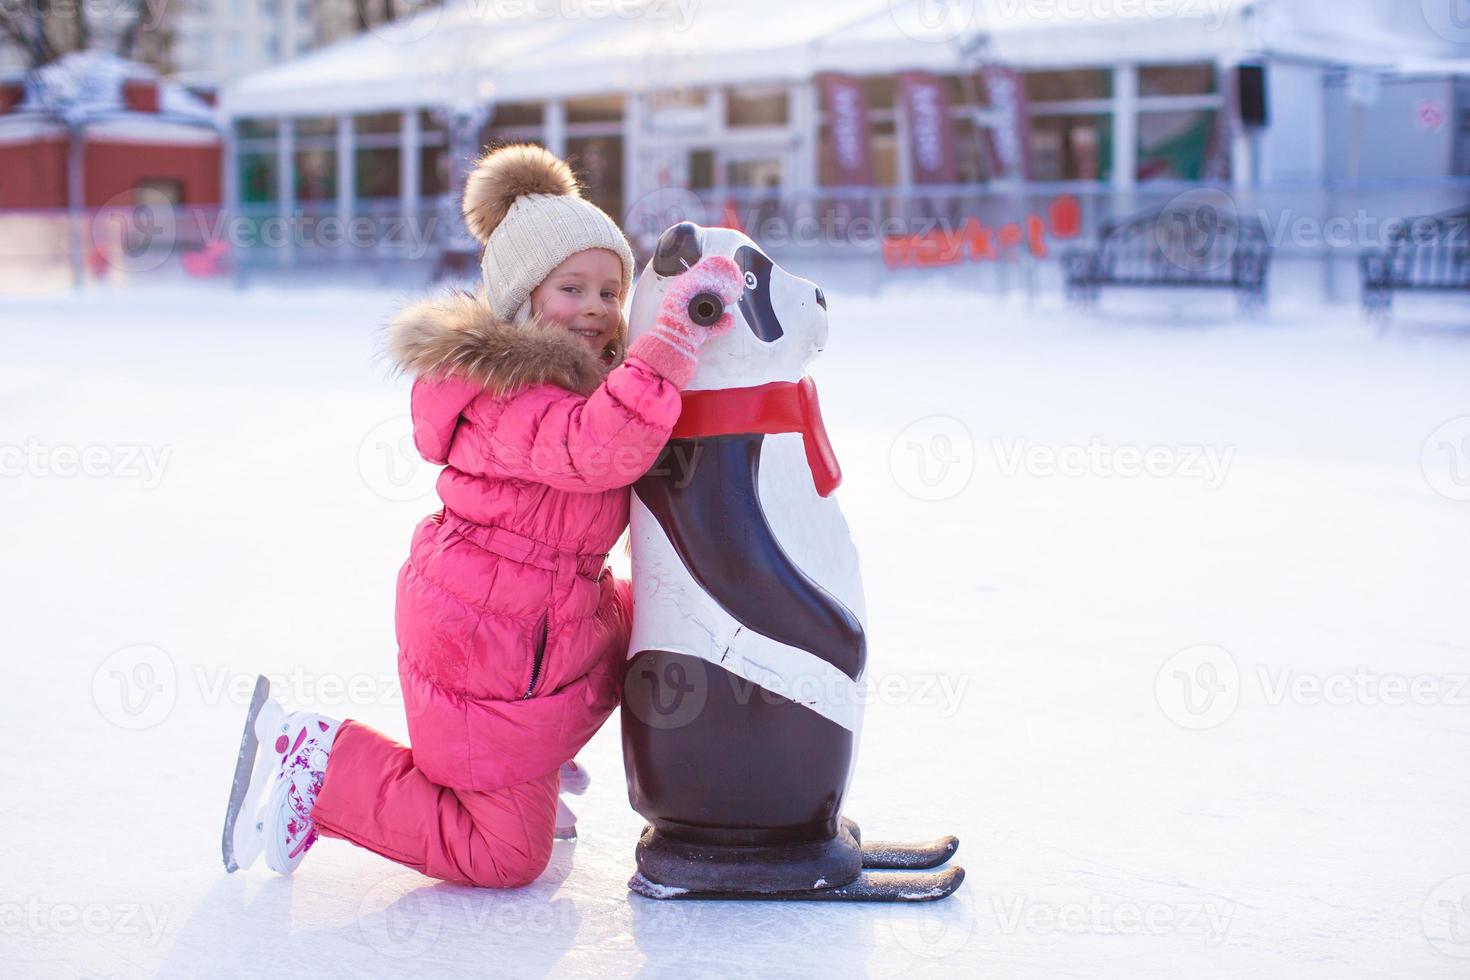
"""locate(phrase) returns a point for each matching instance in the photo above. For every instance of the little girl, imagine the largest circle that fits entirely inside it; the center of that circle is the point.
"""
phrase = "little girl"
(511, 632)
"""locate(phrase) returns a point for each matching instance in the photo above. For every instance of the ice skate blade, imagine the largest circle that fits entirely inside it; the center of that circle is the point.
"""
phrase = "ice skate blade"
(235, 845)
(249, 841)
(869, 886)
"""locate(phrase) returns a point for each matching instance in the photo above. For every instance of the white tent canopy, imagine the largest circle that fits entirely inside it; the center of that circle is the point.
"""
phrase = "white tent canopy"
(473, 51)
(478, 50)
(470, 52)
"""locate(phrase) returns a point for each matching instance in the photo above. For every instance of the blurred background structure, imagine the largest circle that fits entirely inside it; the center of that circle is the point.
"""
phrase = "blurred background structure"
(901, 132)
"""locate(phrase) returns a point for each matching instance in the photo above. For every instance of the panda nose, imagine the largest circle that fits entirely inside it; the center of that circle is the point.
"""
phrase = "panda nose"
(821, 298)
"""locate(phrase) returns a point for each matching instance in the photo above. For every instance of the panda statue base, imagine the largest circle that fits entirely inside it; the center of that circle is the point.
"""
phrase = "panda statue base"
(796, 871)
(743, 698)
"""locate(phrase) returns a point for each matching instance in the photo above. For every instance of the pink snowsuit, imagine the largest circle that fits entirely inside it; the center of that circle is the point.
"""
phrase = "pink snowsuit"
(511, 632)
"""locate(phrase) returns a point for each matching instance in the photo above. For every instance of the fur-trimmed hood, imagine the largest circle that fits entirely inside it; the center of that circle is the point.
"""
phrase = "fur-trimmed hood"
(458, 335)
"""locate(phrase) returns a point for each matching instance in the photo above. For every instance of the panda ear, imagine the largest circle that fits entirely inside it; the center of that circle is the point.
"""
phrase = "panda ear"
(678, 248)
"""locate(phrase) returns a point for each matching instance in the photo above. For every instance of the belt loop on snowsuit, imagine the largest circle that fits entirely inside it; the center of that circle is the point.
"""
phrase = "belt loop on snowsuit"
(528, 551)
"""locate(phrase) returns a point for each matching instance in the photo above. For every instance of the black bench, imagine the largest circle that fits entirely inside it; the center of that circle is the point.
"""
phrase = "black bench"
(1195, 247)
(1428, 254)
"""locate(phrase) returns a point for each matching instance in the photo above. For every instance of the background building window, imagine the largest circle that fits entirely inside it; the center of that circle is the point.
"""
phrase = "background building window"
(315, 126)
(1069, 86)
(964, 90)
(258, 177)
(679, 98)
(433, 171)
(315, 165)
(973, 164)
(701, 169)
(377, 123)
(255, 129)
(603, 109)
(433, 154)
(377, 173)
(1072, 147)
(756, 107)
(598, 163)
(514, 122)
(881, 91)
(170, 188)
(885, 154)
(316, 175)
(1160, 80)
(1174, 145)
(377, 154)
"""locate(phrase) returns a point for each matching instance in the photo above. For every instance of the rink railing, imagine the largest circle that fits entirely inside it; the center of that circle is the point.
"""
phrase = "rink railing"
(1006, 236)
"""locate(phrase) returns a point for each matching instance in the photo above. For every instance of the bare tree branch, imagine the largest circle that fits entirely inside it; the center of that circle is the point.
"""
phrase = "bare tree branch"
(27, 30)
(142, 20)
(82, 29)
(10, 25)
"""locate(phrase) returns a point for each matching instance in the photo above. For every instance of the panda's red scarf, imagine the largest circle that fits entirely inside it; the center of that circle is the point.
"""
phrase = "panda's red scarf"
(781, 406)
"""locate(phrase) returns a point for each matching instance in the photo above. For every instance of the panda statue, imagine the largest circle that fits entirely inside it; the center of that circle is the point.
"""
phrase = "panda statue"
(743, 700)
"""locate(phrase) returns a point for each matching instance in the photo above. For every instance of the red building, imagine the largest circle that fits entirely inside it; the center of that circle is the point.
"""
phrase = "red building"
(97, 128)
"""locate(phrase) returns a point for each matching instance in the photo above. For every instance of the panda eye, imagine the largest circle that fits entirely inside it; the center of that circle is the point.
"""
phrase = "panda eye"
(750, 280)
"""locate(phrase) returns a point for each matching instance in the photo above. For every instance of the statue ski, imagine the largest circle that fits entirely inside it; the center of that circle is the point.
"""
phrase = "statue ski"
(741, 712)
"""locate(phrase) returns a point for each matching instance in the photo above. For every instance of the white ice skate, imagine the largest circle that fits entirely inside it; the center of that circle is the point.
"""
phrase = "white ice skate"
(278, 774)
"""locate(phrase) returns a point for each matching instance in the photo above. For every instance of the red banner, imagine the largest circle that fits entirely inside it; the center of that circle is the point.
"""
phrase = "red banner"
(1010, 139)
(925, 105)
(850, 131)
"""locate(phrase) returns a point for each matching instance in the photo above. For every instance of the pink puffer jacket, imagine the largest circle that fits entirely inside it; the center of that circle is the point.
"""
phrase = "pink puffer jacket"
(512, 634)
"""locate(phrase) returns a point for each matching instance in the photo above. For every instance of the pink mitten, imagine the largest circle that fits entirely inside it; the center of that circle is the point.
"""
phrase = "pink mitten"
(672, 347)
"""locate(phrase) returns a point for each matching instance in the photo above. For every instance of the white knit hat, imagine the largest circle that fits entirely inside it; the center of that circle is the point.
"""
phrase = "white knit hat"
(524, 203)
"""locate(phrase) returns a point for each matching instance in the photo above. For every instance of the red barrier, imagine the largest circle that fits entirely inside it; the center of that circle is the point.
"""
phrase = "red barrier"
(978, 243)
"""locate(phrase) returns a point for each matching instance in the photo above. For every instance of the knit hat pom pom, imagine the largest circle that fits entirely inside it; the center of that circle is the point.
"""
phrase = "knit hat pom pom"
(509, 172)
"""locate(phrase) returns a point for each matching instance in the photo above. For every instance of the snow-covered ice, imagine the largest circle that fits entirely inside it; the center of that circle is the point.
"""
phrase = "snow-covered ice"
(1208, 721)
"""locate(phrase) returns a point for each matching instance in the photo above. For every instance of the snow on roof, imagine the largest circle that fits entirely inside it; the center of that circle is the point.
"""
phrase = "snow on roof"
(723, 41)
(437, 56)
(1040, 33)
(471, 52)
(88, 85)
(1433, 67)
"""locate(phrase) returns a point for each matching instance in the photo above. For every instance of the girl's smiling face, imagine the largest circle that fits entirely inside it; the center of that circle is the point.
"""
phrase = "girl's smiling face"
(583, 294)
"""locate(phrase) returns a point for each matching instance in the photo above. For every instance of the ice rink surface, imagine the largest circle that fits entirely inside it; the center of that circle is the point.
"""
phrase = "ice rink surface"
(1169, 622)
